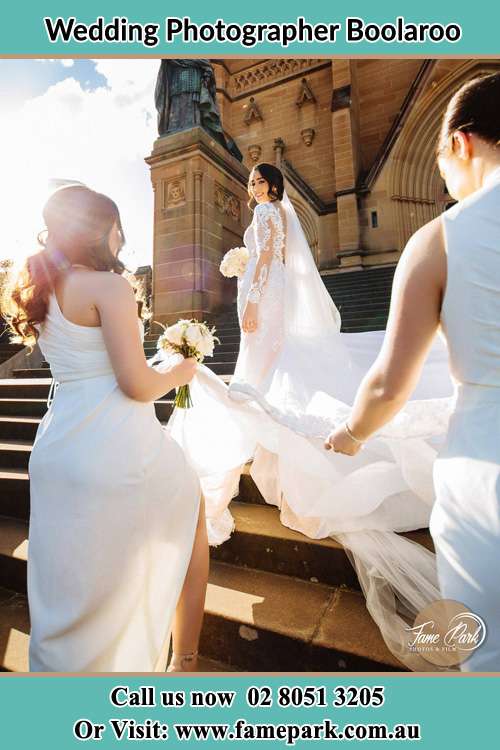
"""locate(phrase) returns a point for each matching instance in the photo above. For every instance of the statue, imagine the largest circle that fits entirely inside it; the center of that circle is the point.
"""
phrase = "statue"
(185, 97)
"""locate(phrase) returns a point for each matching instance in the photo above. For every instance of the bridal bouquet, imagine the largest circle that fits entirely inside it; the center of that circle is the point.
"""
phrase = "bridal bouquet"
(234, 262)
(191, 339)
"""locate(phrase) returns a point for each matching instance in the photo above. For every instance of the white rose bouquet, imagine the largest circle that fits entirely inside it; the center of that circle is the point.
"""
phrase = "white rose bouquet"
(234, 262)
(191, 339)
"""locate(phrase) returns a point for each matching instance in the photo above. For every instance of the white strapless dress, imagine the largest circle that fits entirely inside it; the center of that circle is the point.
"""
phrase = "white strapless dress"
(465, 521)
(114, 508)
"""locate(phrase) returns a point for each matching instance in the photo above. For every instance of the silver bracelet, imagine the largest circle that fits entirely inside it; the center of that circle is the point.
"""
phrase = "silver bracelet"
(254, 294)
(353, 437)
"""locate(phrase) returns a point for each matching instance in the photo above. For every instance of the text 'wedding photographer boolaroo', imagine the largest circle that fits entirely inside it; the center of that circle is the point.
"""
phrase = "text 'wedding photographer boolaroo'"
(353, 30)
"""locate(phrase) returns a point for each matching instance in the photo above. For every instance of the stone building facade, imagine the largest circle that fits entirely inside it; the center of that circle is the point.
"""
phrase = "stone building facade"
(356, 140)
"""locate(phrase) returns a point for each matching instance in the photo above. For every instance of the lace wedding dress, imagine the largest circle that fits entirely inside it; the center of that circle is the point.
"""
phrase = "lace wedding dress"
(294, 381)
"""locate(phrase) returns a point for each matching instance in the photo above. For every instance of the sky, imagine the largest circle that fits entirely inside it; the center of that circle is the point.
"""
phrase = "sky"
(87, 120)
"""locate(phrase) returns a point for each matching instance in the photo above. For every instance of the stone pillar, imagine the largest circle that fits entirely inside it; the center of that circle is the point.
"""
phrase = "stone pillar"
(345, 122)
(200, 212)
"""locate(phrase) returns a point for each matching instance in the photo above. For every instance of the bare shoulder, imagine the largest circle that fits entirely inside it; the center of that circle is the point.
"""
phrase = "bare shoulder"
(425, 251)
(107, 283)
(102, 288)
(428, 240)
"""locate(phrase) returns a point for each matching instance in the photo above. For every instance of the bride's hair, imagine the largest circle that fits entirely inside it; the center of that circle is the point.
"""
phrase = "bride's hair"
(78, 222)
(274, 177)
(474, 108)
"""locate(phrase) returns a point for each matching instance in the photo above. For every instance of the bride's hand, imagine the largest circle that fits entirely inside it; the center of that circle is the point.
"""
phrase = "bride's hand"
(340, 442)
(249, 321)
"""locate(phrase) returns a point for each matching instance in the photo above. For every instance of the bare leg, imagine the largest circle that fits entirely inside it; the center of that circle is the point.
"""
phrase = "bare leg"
(190, 607)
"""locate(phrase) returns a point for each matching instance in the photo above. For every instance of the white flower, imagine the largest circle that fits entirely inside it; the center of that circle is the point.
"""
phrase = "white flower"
(206, 345)
(234, 262)
(194, 335)
(175, 334)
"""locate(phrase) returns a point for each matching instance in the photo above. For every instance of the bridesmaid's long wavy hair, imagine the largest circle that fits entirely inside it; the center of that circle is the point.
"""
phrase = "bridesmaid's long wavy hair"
(274, 177)
(78, 222)
(474, 108)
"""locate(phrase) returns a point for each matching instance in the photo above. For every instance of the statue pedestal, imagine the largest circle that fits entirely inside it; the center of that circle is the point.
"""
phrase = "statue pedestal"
(200, 212)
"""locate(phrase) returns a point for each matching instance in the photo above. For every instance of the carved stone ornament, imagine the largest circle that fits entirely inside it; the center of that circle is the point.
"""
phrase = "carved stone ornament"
(253, 112)
(254, 151)
(308, 135)
(268, 70)
(227, 203)
(279, 149)
(173, 193)
(305, 94)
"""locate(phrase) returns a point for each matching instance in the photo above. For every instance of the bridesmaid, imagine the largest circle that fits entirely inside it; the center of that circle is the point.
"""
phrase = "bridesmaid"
(118, 554)
(449, 275)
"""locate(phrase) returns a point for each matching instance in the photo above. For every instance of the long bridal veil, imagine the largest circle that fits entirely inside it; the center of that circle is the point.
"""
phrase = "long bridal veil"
(365, 501)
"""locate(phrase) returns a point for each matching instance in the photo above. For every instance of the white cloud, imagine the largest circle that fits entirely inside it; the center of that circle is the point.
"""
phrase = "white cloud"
(99, 137)
(65, 62)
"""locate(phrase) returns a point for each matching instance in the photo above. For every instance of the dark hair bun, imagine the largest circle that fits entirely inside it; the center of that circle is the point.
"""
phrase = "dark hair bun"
(474, 108)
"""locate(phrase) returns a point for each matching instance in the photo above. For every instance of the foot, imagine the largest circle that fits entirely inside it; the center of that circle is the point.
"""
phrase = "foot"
(183, 662)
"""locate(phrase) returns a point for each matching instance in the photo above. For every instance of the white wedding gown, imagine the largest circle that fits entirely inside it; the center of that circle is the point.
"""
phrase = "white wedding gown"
(465, 521)
(114, 508)
(295, 380)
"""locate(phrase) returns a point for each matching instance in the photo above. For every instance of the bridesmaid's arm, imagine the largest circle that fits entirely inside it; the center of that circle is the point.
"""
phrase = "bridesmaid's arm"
(413, 321)
(117, 308)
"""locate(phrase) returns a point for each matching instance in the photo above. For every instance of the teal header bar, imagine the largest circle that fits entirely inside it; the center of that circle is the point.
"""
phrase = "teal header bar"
(254, 711)
(256, 28)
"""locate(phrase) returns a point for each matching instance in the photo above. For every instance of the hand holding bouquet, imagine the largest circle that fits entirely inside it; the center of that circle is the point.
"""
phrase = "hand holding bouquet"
(234, 262)
(191, 339)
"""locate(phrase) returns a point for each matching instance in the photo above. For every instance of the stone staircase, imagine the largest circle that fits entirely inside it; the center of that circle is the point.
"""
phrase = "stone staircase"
(7, 350)
(277, 600)
(362, 297)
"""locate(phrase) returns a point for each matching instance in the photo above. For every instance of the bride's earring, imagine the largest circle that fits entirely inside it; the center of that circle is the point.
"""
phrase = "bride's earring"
(180, 662)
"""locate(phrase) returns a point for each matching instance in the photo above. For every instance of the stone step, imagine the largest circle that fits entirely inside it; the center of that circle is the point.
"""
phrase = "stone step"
(365, 327)
(261, 541)
(14, 632)
(29, 388)
(260, 621)
(357, 283)
(23, 407)
(13, 554)
(225, 347)
(9, 349)
(227, 356)
(14, 637)
(371, 274)
(15, 494)
(19, 428)
(36, 407)
(220, 368)
(377, 320)
(228, 326)
(232, 338)
(348, 298)
(325, 628)
(364, 306)
(15, 454)
(35, 372)
(359, 288)
(34, 390)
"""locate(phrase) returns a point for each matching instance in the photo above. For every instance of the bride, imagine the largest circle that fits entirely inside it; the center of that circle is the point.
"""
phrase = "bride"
(295, 379)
